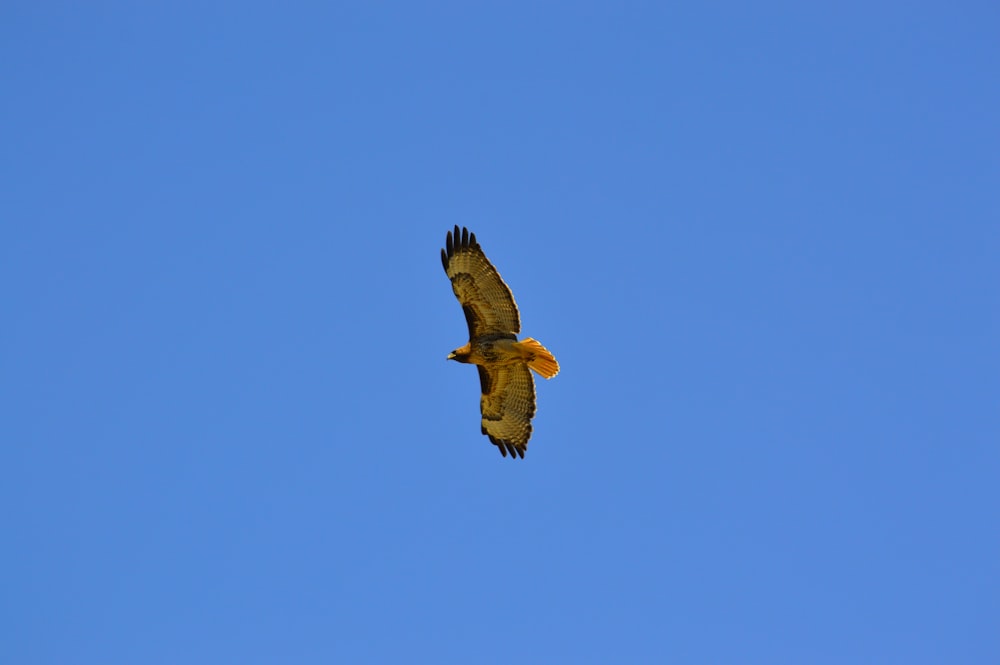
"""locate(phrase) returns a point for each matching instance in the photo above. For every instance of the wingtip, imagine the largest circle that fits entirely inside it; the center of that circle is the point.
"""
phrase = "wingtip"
(459, 238)
(515, 450)
(505, 447)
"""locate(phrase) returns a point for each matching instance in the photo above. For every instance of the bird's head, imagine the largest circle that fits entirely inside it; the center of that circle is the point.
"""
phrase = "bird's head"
(461, 354)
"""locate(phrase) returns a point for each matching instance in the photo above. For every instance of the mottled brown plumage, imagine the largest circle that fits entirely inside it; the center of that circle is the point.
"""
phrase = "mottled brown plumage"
(508, 389)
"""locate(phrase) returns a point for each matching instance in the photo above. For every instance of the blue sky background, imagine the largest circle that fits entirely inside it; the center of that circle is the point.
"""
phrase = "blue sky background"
(762, 240)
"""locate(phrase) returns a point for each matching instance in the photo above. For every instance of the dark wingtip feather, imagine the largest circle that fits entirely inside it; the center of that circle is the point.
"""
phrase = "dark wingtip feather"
(506, 446)
(459, 239)
(444, 260)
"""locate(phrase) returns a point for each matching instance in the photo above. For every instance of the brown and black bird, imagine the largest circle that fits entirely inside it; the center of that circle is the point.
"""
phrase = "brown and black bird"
(504, 363)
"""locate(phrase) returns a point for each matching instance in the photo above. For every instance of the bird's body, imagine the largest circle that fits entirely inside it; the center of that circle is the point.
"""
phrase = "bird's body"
(508, 390)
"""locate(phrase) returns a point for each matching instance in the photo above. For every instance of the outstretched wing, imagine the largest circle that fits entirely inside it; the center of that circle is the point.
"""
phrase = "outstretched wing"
(508, 404)
(487, 302)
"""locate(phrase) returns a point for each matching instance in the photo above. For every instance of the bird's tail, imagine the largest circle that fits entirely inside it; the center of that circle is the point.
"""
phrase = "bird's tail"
(538, 357)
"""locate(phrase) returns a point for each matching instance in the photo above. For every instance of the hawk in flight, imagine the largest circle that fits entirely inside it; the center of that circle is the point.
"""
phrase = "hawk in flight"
(508, 400)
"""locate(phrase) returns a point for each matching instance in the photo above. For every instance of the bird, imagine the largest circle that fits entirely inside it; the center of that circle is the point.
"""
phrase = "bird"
(507, 403)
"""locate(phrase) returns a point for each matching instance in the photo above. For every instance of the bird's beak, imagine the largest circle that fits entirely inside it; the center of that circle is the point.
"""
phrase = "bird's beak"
(451, 356)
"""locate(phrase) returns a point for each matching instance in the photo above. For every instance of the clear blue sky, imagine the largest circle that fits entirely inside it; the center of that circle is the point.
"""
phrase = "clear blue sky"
(762, 239)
